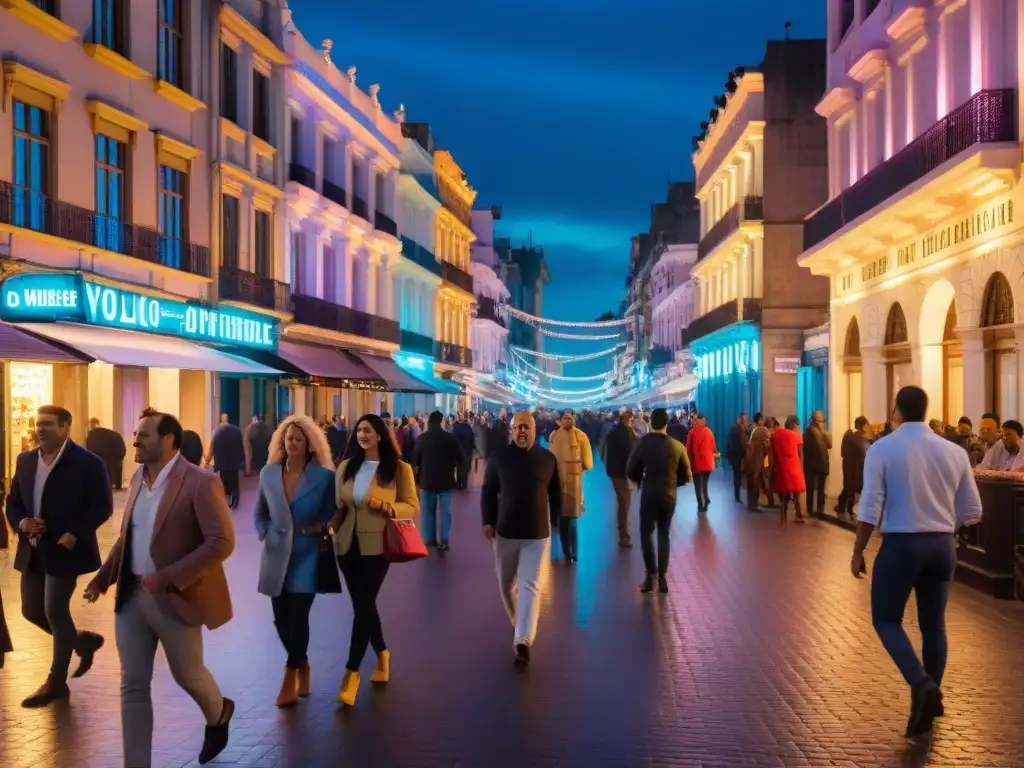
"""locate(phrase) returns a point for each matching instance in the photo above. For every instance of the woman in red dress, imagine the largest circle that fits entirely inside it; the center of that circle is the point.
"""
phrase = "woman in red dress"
(788, 467)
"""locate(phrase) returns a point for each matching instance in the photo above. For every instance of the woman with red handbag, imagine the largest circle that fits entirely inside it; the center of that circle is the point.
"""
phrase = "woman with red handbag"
(377, 502)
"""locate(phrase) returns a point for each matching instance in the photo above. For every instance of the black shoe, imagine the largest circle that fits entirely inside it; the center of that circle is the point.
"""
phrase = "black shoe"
(522, 654)
(443, 547)
(48, 693)
(217, 735)
(88, 644)
(663, 585)
(573, 559)
(925, 706)
(648, 584)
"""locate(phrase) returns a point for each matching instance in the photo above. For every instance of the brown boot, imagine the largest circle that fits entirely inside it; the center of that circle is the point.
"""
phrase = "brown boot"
(304, 681)
(289, 688)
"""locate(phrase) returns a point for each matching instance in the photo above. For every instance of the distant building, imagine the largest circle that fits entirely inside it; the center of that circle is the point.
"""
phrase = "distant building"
(490, 323)
(526, 275)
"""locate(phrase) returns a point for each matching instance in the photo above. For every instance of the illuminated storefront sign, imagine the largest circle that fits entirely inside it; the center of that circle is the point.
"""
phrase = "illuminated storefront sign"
(28, 298)
(738, 357)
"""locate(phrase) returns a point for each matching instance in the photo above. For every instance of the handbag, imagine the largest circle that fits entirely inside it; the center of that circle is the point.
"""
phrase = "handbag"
(402, 541)
(328, 582)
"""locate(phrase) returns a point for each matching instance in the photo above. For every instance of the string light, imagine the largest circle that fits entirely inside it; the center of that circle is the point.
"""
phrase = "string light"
(570, 358)
(537, 320)
(579, 337)
(518, 358)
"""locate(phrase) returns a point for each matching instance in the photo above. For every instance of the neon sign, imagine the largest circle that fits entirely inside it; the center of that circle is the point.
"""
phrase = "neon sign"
(74, 299)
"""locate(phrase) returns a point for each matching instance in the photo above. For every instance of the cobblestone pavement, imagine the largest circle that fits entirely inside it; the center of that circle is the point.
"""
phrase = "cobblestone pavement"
(762, 655)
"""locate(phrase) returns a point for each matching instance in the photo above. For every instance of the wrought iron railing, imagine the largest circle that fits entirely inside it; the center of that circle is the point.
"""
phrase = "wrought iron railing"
(249, 288)
(751, 208)
(487, 309)
(302, 175)
(456, 276)
(384, 223)
(335, 194)
(453, 353)
(987, 117)
(716, 319)
(359, 207)
(417, 254)
(309, 310)
(31, 209)
(417, 343)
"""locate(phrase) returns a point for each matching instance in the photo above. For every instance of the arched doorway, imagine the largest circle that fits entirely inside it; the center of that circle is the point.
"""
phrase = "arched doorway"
(997, 317)
(899, 370)
(952, 370)
(852, 369)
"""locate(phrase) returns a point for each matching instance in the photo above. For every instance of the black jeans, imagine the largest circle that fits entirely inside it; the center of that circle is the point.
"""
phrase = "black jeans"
(291, 619)
(737, 480)
(846, 501)
(364, 576)
(815, 493)
(46, 602)
(229, 479)
(655, 516)
(700, 487)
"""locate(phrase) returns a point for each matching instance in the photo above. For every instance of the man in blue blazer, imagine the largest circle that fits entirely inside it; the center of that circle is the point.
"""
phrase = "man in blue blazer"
(59, 497)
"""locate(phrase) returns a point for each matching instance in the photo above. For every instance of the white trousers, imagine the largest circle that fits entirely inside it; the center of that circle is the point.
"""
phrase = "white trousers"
(519, 563)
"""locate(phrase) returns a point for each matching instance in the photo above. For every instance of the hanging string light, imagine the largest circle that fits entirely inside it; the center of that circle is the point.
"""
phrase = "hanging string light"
(520, 360)
(579, 337)
(569, 358)
(537, 320)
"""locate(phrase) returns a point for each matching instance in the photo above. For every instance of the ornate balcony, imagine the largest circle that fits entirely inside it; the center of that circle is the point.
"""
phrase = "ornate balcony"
(30, 209)
(384, 223)
(250, 288)
(417, 254)
(453, 354)
(309, 310)
(722, 316)
(749, 209)
(359, 207)
(487, 309)
(335, 194)
(987, 117)
(457, 277)
(302, 175)
(417, 343)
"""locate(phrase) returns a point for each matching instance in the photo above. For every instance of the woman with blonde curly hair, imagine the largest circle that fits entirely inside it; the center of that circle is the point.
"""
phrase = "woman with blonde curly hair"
(294, 501)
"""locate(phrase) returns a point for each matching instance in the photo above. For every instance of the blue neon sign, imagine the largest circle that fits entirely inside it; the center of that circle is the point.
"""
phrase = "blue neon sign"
(35, 298)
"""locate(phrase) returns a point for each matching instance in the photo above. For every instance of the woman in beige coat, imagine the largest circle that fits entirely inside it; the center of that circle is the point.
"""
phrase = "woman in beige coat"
(571, 447)
(372, 484)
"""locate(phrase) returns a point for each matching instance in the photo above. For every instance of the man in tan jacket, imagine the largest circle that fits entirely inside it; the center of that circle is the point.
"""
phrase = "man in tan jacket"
(168, 567)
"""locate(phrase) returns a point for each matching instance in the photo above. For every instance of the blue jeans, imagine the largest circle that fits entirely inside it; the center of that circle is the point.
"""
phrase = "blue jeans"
(430, 500)
(569, 535)
(922, 563)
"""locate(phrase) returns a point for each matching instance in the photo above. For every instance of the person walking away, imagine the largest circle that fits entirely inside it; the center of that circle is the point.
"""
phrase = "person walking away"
(372, 484)
(788, 468)
(463, 432)
(337, 438)
(618, 444)
(257, 445)
(571, 448)
(227, 453)
(659, 465)
(59, 497)
(700, 449)
(817, 444)
(520, 501)
(736, 452)
(294, 503)
(853, 451)
(1005, 453)
(756, 465)
(168, 565)
(435, 461)
(110, 447)
(677, 428)
(923, 490)
(640, 425)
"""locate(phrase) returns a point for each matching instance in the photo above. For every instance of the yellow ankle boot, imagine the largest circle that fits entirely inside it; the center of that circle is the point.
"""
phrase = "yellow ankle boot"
(349, 688)
(383, 671)
(289, 693)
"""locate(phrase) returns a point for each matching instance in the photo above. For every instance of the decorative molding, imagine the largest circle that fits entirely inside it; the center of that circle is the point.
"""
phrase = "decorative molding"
(918, 45)
(175, 95)
(232, 130)
(50, 25)
(259, 186)
(104, 113)
(868, 66)
(912, 19)
(115, 61)
(233, 21)
(16, 73)
(172, 146)
(834, 101)
(263, 148)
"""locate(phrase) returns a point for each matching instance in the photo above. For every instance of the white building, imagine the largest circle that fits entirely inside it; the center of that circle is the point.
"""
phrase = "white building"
(670, 293)
(489, 334)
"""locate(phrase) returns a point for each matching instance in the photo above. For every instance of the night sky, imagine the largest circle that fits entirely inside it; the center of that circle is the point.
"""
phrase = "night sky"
(571, 115)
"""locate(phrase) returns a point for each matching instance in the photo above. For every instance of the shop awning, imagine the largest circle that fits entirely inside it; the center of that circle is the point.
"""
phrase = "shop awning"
(145, 350)
(18, 344)
(396, 379)
(331, 364)
(437, 384)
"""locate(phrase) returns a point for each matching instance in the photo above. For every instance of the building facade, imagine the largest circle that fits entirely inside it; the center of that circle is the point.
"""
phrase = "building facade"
(761, 166)
(920, 238)
(526, 271)
(490, 321)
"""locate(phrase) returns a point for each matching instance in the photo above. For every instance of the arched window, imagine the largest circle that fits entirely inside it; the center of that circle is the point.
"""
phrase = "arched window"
(997, 302)
(896, 326)
(899, 370)
(997, 312)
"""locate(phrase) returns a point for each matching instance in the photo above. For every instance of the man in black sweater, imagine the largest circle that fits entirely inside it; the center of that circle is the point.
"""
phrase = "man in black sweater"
(617, 446)
(520, 499)
(659, 465)
(436, 460)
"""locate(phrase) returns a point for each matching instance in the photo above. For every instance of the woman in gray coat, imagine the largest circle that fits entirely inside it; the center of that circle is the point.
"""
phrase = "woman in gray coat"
(294, 502)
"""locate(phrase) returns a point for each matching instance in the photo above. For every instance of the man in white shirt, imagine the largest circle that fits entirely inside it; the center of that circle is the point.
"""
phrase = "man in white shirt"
(1005, 454)
(925, 486)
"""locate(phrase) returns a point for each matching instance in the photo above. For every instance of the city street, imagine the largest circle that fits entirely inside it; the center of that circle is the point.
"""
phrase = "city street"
(762, 655)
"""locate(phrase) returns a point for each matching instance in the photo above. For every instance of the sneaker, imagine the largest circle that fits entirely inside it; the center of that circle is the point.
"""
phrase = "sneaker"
(217, 735)
(522, 654)
(925, 706)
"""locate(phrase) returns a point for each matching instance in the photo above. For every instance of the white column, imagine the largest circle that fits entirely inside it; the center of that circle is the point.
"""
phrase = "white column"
(388, 294)
(372, 261)
(973, 346)
(343, 253)
(317, 289)
(929, 375)
(876, 408)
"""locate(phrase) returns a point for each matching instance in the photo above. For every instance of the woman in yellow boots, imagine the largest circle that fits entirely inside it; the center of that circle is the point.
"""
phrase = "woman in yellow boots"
(372, 484)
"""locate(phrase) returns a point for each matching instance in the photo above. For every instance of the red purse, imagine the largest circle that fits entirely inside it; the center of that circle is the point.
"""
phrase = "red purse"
(402, 541)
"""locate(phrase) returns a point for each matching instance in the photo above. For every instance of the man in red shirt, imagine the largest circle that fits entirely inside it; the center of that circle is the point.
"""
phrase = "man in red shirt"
(700, 447)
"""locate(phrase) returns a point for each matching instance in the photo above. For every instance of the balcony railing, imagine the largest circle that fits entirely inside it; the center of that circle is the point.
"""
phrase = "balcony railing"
(30, 209)
(302, 175)
(749, 209)
(250, 288)
(417, 254)
(384, 223)
(359, 207)
(310, 310)
(487, 309)
(417, 343)
(453, 354)
(987, 117)
(457, 277)
(720, 317)
(335, 194)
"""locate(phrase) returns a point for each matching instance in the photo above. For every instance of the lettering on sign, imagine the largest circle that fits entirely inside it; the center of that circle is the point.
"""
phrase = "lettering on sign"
(876, 268)
(981, 222)
(905, 255)
(846, 282)
(787, 365)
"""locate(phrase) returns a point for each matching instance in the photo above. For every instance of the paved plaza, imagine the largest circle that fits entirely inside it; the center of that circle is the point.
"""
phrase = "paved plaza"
(762, 655)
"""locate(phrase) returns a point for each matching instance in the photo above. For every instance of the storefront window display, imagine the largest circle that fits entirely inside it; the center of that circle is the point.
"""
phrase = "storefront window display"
(31, 386)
